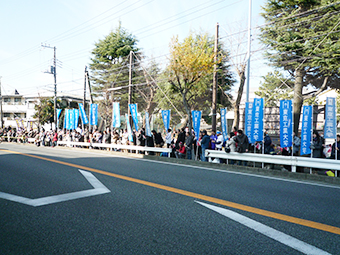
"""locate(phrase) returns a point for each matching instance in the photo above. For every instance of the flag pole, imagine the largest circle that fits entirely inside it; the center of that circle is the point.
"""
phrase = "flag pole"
(311, 154)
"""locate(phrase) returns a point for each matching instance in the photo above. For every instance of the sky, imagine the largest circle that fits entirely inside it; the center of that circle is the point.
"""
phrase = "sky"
(73, 27)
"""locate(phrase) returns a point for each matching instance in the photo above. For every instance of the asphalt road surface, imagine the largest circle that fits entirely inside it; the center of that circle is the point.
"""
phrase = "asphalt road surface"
(61, 201)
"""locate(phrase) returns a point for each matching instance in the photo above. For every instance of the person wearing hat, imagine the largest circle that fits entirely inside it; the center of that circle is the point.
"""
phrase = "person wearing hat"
(180, 152)
(219, 141)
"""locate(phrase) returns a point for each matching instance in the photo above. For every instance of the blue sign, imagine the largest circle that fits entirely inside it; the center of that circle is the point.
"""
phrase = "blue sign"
(76, 118)
(248, 121)
(133, 111)
(286, 123)
(224, 124)
(128, 128)
(306, 130)
(116, 115)
(71, 119)
(65, 118)
(93, 114)
(166, 119)
(147, 125)
(330, 119)
(83, 114)
(257, 119)
(196, 122)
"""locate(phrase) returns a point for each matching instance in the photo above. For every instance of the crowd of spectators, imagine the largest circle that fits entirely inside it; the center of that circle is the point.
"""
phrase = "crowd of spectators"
(184, 144)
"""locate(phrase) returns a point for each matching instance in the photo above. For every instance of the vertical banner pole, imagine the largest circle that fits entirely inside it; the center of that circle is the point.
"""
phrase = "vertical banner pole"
(293, 167)
(263, 131)
(311, 137)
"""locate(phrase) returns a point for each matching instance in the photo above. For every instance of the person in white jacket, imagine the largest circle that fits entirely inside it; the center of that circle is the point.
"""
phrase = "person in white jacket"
(232, 145)
(219, 141)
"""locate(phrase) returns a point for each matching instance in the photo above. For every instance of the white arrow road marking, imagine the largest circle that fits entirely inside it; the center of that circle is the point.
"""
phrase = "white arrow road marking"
(268, 231)
(99, 188)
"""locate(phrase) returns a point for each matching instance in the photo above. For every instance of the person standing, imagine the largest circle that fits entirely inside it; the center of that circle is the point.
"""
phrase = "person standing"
(188, 145)
(296, 144)
(219, 141)
(317, 145)
(204, 144)
(168, 138)
(213, 139)
(267, 142)
(335, 149)
(242, 144)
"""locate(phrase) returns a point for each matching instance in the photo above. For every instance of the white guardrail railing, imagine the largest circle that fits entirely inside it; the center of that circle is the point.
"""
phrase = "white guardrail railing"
(292, 161)
(117, 146)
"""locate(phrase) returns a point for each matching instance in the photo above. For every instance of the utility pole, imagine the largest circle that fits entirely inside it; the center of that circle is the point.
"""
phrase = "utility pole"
(130, 87)
(249, 46)
(84, 100)
(1, 119)
(214, 88)
(54, 72)
(87, 79)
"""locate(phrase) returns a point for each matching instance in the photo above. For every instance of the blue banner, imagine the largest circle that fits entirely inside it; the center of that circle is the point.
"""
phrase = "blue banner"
(147, 125)
(166, 119)
(330, 119)
(67, 122)
(257, 119)
(116, 115)
(76, 117)
(71, 118)
(306, 130)
(83, 116)
(65, 118)
(58, 115)
(133, 111)
(129, 128)
(224, 124)
(196, 122)
(286, 123)
(248, 121)
(93, 114)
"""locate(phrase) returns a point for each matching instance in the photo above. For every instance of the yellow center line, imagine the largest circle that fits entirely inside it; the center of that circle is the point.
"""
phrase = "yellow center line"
(307, 223)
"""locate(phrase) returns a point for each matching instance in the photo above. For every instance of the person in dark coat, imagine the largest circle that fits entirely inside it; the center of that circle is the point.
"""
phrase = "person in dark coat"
(336, 148)
(242, 144)
(204, 144)
(317, 145)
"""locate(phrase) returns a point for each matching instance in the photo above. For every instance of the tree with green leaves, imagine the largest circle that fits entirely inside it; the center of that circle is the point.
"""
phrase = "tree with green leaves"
(272, 91)
(109, 69)
(44, 110)
(302, 39)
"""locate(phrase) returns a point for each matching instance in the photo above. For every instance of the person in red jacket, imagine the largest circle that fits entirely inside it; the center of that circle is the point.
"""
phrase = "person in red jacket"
(180, 152)
(55, 139)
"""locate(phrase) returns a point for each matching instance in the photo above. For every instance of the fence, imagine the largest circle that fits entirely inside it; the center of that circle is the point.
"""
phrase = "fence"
(117, 147)
(292, 161)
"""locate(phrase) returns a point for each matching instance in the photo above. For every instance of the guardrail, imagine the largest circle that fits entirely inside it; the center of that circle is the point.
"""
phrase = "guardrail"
(117, 146)
(292, 161)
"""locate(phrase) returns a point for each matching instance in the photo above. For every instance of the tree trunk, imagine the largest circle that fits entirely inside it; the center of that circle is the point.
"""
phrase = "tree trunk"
(188, 110)
(298, 99)
(241, 74)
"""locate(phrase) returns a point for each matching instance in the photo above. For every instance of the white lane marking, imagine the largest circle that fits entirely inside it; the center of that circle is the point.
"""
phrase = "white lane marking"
(99, 188)
(268, 231)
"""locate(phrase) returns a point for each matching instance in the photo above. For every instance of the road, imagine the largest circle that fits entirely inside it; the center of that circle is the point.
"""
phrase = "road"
(61, 201)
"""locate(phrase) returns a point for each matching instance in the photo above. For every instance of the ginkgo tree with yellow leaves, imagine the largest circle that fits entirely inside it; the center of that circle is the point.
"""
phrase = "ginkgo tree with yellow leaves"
(190, 63)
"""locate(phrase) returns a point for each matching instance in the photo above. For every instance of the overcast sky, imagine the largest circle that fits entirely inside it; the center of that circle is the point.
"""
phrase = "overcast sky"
(74, 26)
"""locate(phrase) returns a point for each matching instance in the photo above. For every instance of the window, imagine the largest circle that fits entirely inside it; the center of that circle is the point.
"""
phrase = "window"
(17, 115)
(7, 115)
(6, 99)
(17, 99)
